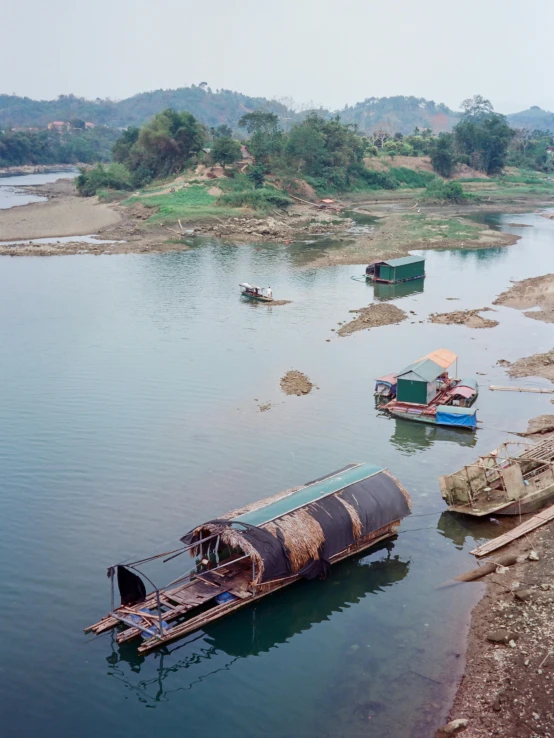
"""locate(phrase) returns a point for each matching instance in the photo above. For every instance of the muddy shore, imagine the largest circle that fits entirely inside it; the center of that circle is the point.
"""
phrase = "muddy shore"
(537, 292)
(401, 227)
(508, 685)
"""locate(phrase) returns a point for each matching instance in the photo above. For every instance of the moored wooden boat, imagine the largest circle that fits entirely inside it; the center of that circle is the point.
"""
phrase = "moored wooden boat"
(249, 553)
(256, 293)
(503, 482)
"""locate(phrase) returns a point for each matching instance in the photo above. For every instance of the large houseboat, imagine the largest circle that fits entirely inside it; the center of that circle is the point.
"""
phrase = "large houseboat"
(245, 555)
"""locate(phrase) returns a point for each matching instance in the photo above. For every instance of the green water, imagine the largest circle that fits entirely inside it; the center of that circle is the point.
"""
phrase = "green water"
(129, 413)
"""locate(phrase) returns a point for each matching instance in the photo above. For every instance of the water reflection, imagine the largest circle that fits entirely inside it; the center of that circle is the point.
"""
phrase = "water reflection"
(461, 528)
(409, 437)
(382, 291)
(255, 630)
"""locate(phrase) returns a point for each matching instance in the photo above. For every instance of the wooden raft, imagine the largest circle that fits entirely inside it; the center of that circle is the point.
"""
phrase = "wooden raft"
(545, 516)
(176, 602)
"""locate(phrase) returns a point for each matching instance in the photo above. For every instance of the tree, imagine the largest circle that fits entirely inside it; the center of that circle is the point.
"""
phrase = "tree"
(483, 139)
(443, 154)
(391, 147)
(222, 130)
(122, 147)
(256, 174)
(78, 123)
(476, 107)
(225, 151)
(259, 122)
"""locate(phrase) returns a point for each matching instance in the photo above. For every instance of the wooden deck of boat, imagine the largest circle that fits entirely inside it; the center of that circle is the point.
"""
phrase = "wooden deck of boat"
(178, 601)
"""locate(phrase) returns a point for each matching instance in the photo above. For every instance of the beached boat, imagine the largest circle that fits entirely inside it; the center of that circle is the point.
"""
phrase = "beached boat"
(256, 293)
(425, 393)
(507, 481)
(258, 549)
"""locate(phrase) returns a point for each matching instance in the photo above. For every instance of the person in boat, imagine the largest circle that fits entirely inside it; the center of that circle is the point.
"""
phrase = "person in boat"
(269, 293)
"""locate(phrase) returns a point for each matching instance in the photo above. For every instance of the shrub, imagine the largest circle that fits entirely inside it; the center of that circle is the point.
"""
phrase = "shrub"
(411, 177)
(377, 180)
(441, 191)
(261, 199)
(113, 177)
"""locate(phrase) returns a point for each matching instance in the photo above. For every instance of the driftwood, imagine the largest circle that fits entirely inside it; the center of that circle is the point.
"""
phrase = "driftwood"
(538, 390)
(488, 568)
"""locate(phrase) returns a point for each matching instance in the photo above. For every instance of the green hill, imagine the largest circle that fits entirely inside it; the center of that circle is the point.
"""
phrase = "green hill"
(394, 114)
(535, 118)
(400, 114)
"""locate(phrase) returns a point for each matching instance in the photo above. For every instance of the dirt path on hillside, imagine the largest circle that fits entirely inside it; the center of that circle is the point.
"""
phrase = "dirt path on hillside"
(537, 292)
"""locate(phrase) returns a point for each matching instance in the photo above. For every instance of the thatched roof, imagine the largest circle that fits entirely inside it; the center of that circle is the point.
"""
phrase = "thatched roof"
(297, 531)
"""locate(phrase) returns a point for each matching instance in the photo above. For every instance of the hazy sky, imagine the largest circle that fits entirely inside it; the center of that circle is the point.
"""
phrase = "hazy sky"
(329, 52)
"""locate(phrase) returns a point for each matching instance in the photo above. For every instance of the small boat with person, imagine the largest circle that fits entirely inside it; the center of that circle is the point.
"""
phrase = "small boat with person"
(514, 479)
(245, 555)
(253, 292)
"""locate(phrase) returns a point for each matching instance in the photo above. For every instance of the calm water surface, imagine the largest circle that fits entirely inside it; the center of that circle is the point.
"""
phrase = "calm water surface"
(129, 413)
(13, 187)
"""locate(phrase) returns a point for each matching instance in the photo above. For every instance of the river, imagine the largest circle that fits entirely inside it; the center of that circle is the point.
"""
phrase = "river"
(13, 187)
(129, 413)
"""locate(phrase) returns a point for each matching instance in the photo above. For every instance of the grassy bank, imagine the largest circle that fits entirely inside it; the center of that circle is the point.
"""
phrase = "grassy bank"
(188, 203)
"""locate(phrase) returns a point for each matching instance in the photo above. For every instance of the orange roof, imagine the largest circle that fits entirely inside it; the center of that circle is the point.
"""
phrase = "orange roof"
(442, 357)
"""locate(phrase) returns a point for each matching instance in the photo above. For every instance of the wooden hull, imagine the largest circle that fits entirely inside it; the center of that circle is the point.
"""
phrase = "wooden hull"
(427, 419)
(529, 504)
(259, 298)
(398, 281)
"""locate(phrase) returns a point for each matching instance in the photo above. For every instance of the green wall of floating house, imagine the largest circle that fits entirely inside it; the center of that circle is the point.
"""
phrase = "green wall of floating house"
(401, 272)
(409, 390)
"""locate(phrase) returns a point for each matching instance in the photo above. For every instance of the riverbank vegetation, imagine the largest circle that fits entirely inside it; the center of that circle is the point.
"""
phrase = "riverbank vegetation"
(74, 143)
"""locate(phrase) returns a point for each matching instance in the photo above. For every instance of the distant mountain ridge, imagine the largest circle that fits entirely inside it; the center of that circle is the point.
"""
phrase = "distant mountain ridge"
(396, 114)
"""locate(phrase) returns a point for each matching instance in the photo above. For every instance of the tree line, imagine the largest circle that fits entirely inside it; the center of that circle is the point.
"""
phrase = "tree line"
(326, 153)
(71, 146)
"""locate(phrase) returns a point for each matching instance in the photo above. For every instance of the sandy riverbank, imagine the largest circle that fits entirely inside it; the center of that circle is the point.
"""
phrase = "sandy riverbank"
(401, 228)
(537, 292)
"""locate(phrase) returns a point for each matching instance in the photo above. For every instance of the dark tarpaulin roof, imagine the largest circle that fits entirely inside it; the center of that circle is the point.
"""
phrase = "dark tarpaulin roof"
(378, 500)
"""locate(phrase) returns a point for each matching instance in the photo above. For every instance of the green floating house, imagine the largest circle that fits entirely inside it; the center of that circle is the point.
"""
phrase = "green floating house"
(397, 270)
(417, 383)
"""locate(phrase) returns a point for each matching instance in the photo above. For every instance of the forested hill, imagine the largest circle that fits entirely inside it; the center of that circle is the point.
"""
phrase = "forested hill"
(210, 108)
(213, 108)
(534, 118)
(400, 114)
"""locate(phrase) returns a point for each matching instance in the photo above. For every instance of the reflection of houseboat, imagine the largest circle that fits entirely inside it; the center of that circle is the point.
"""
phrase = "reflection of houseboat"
(383, 291)
(256, 293)
(503, 482)
(424, 392)
(396, 270)
(249, 553)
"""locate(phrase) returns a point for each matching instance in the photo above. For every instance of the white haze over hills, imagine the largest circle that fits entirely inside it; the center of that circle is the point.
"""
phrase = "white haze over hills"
(314, 51)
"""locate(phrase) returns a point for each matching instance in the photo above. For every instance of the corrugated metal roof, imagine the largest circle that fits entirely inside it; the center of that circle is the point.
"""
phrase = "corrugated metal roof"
(442, 357)
(404, 260)
(423, 370)
(311, 493)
